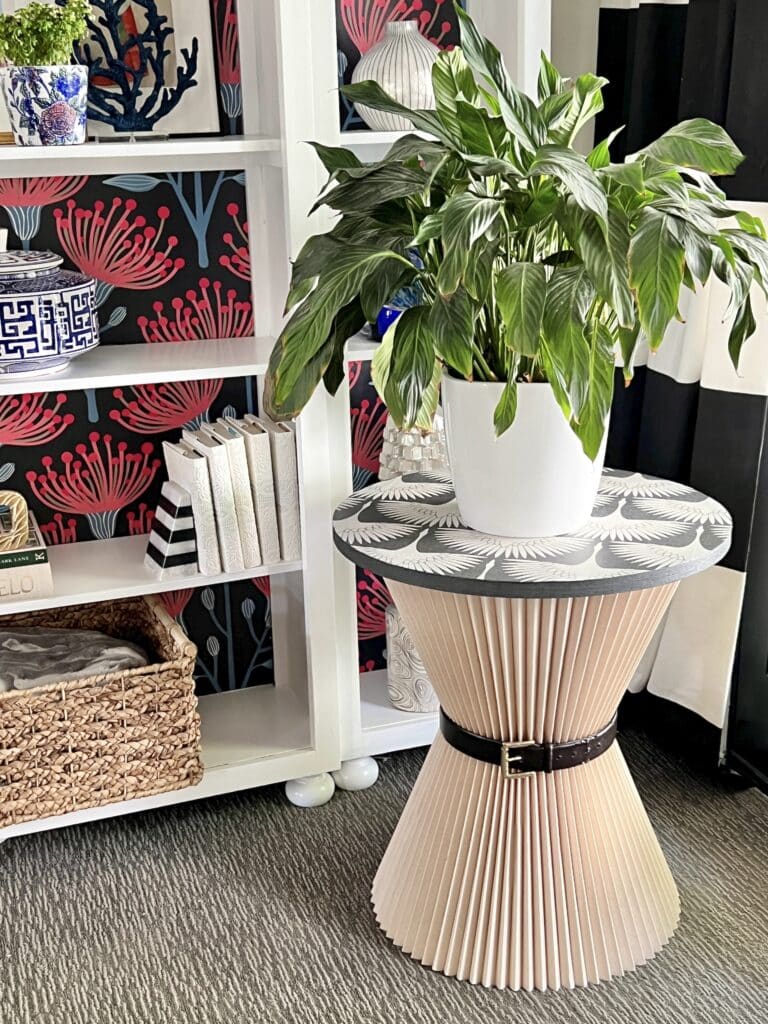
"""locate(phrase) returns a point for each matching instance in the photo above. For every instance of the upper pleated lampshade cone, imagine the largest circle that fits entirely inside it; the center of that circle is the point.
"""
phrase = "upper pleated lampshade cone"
(544, 881)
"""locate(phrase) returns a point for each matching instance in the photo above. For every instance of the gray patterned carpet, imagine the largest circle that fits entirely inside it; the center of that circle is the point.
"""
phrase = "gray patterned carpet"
(246, 910)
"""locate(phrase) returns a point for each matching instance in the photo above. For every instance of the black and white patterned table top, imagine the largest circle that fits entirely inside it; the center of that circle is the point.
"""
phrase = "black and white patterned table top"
(644, 532)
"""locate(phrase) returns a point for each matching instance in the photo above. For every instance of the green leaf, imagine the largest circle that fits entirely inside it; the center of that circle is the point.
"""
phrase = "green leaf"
(306, 333)
(410, 147)
(431, 227)
(553, 109)
(294, 398)
(699, 144)
(656, 273)
(479, 274)
(412, 366)
(521, 292)
(569, 297)
(630, 175)
(452, 81)
(605, 255)
(481, 133)
(453, 323)
(752, 225)
(697, 248)
(743, 328)
(370, 94)
(466, 219)
(335, 158)
(593, 415)
(550, 81)
(574, 172)
(347, 322)
(628, 338)
(518, 110)
(753, 247)
(378, 289)
(381, 367)
(506, 411)
(600, 156)
(385, 182)
(586, 103)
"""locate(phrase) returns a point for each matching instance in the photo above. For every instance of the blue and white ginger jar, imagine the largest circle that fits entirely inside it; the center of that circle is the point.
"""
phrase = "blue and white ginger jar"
(48, 106)
(47, 315)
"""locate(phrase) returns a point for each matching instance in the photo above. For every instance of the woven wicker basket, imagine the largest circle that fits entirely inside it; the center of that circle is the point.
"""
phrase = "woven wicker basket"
(108, 738)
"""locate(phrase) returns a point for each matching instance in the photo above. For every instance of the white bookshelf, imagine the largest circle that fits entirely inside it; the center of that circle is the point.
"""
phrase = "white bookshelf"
(320, 711)
(206, 153)
(131, 365)
(108, 570)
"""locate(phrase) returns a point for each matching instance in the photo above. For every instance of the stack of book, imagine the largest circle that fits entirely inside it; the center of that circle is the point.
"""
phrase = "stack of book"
(26, 571)
(242, 480)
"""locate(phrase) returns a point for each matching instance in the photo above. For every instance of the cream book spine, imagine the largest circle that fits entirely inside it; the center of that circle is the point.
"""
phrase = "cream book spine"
(25, 573)
(189, 470)
(259, 455)
(282, 439)
(215, 453)
(234, 442)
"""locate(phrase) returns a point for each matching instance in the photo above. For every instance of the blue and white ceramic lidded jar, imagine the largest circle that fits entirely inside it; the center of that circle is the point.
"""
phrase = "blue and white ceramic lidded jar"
(402, 65)
(48, 106)
(47, 315)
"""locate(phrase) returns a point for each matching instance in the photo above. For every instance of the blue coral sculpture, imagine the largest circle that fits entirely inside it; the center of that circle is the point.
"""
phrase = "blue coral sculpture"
(128, 89)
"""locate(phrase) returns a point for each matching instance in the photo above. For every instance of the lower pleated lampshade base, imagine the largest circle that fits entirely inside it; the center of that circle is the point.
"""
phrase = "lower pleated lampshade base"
(542, 882)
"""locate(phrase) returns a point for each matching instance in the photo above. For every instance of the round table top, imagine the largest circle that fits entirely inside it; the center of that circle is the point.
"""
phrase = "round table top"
(644, 532)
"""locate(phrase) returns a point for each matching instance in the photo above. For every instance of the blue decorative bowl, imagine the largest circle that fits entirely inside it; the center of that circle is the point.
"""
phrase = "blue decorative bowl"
(47, 315)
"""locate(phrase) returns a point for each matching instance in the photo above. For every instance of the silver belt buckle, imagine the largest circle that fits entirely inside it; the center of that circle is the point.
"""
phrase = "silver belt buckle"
(509, 758)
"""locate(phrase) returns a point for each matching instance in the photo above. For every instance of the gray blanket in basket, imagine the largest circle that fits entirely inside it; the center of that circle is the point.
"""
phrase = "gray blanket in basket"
(36, 656)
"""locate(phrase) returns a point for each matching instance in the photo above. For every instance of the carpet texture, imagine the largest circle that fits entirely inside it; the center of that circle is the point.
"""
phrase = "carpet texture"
(245, 910)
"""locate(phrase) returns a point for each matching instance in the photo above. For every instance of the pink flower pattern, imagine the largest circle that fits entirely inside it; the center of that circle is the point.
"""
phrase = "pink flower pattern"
(28, 420)
(97, 480)
(157, 408)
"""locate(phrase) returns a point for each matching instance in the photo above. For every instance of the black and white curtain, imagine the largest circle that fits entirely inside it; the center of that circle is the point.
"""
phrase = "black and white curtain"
(689, 416)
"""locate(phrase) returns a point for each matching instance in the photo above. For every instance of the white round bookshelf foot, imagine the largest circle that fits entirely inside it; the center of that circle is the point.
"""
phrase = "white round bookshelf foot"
(359, 774)
(311, 791)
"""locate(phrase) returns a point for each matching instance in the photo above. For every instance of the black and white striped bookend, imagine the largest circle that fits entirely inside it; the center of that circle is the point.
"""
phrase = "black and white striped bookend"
(172, 549)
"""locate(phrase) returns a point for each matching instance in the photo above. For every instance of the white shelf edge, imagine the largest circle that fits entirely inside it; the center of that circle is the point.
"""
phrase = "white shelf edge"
(111, 570)
(361, 348)
(362, 138)
(105, 157)
(232, 760)
(384, 728)
(132, 365)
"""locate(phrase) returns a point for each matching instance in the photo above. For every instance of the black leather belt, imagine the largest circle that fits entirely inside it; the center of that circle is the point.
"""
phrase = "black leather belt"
(527, 758)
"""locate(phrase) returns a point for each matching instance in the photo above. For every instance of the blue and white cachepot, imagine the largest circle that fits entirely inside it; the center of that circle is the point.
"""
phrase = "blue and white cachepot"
(47, 315)
(48, 106)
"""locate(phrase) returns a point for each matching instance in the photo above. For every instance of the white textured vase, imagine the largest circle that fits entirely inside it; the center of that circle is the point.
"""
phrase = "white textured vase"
(411, 451)
(534, 480)
(402, 65)
(408, 684)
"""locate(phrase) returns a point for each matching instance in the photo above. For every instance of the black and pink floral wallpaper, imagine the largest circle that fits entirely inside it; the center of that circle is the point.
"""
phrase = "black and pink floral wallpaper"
(170, 253)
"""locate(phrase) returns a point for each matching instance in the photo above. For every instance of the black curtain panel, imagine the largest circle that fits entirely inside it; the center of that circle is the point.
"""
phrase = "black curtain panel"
(640, 51)
(688, 416)
(725, 77)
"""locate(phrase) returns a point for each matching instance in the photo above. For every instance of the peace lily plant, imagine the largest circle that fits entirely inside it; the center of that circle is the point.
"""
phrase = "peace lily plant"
(533, 264)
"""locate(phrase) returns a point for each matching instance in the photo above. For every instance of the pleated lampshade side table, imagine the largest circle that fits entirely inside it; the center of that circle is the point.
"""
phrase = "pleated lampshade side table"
(524, 858)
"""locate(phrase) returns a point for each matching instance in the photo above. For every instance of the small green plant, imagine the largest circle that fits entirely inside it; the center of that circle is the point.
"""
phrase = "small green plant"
(42, 35)
(532, 262)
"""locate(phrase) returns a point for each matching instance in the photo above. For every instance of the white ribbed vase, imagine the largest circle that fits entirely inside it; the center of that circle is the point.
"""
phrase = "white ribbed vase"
(402, 65)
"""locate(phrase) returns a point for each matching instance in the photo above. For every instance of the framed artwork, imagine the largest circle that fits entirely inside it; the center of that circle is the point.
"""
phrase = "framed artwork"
(153, 67)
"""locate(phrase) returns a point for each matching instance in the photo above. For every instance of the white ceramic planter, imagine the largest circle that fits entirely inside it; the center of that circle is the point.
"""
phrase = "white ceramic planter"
(402, 65)
(533, 481)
